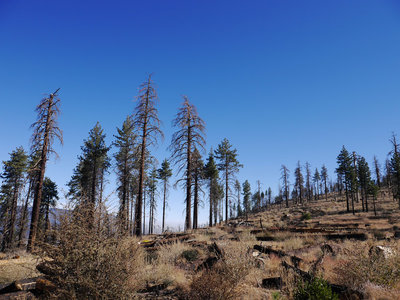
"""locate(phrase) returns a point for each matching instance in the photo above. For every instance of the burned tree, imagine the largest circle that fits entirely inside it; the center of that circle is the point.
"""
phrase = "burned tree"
(211, 174)
(45, 130)
(308, 182)
(324, 179)
(285, 180)
(152, 189)
(198, 176)
(237, 190)
(316, 180)
(299, 182)
(147, 125)
(189, 136)
(377, 168)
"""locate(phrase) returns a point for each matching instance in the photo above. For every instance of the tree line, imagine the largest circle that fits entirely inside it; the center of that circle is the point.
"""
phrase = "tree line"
(141, 181)
(139, 178)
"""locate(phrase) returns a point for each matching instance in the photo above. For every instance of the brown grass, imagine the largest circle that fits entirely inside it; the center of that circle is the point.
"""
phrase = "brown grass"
(12, 269)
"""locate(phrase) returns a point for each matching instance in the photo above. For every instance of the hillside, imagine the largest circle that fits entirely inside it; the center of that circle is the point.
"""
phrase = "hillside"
(266, 256)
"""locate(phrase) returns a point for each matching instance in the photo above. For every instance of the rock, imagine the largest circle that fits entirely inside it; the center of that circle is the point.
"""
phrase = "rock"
(397, 234)
(382, 251)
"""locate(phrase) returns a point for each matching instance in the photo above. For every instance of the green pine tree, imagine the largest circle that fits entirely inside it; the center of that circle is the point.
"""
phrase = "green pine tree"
(164, 173)
(126, 163)
(86, 184)
(13, 176)
(228, 165)
(246, 198)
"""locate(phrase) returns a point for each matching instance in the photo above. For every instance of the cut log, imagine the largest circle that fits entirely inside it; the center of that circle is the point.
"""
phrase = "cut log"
(48, 268)
(348, 236)
(11, 288)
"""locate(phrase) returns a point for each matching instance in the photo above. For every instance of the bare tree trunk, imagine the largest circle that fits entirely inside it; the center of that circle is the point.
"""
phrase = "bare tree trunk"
(226, 192)
(144, 212)
(164, 200)
(24, 214)
(195, 201)
(139, 200)
(38, 193)
(46, 223)
(188, 182)
(211, 205)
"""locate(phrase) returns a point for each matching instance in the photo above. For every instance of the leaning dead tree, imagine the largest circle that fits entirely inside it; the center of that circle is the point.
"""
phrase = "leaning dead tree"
(147, 124)
(189, 136)
(45, 131)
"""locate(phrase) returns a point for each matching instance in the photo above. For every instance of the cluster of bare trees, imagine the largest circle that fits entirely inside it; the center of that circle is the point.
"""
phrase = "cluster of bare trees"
(140, 182)
(26, 193)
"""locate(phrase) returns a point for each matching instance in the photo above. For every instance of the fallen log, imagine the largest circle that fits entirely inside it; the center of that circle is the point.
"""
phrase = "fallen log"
(348, 236)
(21, 295)
(19, 285)
(213, 248)
(11, 288)
(49, 268)
(268, 250)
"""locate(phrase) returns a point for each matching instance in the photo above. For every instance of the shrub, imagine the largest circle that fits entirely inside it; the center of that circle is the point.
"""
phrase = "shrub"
(317, 289)
(226, 279)
(306, 216)
(89, 263)
(190, 255)
(362, 268)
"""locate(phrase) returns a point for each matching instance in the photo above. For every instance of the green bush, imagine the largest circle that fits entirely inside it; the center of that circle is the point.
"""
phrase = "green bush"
(317, 289)
(306, 216)
(190, 255)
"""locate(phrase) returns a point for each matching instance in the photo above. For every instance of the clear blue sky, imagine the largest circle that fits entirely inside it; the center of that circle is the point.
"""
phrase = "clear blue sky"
(282, 80)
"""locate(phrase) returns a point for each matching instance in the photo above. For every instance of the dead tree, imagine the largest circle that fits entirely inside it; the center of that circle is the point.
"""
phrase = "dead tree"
(189, 136)
(285, 180)
(45, 130)
(147, 124)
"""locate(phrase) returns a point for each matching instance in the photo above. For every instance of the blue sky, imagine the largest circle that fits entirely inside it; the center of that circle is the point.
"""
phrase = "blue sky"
(282, 80)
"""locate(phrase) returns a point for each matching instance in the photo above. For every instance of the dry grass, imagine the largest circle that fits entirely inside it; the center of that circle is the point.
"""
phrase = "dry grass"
(361, 268)
(18, 268)
(98, 265)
